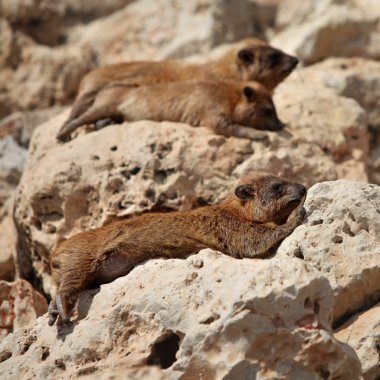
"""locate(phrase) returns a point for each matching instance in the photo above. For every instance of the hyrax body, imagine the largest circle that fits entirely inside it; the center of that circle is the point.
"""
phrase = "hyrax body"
(226, 107)
(262, 211)
(249, 60)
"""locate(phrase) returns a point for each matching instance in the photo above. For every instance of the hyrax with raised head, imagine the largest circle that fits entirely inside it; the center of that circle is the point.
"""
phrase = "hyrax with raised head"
(262, 210)
(248, 60)
(226, 107)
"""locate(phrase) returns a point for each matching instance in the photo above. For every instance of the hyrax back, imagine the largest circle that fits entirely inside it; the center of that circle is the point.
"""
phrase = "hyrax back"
(226, 107)
(248, 60)
(261, 211)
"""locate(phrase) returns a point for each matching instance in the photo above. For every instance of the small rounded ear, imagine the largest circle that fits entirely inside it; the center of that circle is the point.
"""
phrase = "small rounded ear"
(243, 192)
(246, 56)
(249, 93)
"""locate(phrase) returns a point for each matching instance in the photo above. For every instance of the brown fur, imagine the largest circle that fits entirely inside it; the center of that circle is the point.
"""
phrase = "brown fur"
(226, 107)
(249, 60)
(261, 212)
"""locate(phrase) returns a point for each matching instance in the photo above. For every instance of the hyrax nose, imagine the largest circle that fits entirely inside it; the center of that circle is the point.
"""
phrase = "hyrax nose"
(301, 190)
(295, 61)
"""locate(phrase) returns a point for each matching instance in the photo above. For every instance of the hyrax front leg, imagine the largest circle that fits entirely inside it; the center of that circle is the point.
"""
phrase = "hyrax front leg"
(248, 133)
(223, 126)
(70, 280)
(271, 236)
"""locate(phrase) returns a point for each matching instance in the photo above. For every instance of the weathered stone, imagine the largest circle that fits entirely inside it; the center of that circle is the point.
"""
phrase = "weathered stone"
(185, 28)
(8, 238)
(341, 239)
(314, 30)
(12, 159)
(20, 305)
(21, 125)
(35, 76)
(137, 373)
(41, 19)
(362, 333)
(88, 10)
(359, 79)
(193, 317)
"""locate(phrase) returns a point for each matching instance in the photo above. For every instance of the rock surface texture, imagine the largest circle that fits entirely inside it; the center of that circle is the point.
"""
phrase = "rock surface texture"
(341, 238)
(362, 332)
(20, 305)
(315, 30)
(196, 320)
(209, 316)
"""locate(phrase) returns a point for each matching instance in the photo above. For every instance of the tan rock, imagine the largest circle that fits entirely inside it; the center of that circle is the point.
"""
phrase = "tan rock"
(21, 125)
(359, 79)
(88, 10)
(8, 240)
(362, 333)
(41, 19)
(35, 76)
(340, 238)
(138, 373)
(193, 317)
(20, 305)
(151, 29)
(12, 159)
(314, 30)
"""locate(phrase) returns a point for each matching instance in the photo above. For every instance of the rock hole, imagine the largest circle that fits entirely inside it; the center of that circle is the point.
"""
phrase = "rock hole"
(298, 253)
(45, 353)
(38, 225)
(60, 364)
(337, 239)
(308, 304)
(164, 350)
(5, 355)
(114, 148)
(135, 170)
(150, 194)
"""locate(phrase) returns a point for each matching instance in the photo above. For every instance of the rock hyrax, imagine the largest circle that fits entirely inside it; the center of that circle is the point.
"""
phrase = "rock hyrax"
(262, 210)
(248, 60)
(226, 107)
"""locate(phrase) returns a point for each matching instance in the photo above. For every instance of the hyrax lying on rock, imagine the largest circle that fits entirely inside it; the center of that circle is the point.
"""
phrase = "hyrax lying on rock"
(226, 107)
(249, 60)
(262, 211)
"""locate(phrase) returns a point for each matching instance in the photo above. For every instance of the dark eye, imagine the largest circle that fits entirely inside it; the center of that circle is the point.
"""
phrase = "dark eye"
(268, 112)
(274, 59)
(277, 187)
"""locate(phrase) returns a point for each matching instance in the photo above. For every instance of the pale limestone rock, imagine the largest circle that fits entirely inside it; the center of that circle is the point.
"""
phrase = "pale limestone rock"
(152, 29)
(313, 30)
(209, 315)
(341, 238)
(20, 305)
(8, 238)
(335, 124)
(40, 19)
(36, 76)
(12, 159)
(359, 79)
(21, 125)
(362, 333)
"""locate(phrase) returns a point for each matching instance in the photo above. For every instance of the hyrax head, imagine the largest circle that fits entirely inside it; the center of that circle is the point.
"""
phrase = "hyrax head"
(264, 64)
(268, 198)
(256, 108)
